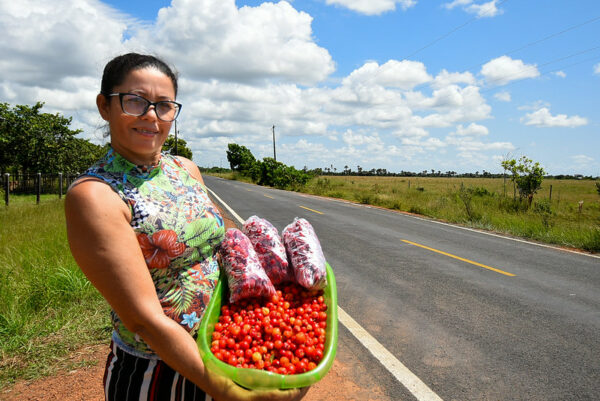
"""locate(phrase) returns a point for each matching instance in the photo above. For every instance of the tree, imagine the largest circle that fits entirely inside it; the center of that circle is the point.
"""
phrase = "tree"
(526, 175)
(240, 158)
(182, 149)
(32, 141)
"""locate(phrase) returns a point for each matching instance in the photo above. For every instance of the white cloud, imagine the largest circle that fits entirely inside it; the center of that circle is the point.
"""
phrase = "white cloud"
(219, 40)
(503, 96)
(403, 74)
(481, 10)
(543, 118)
(445, 78)
(355, 139)
(457, 3)
(560, 74)
(471, 130)
(64, 35)
(582, 160)
(504, 69)
(597, 69)
(484, 10)
(373, 7)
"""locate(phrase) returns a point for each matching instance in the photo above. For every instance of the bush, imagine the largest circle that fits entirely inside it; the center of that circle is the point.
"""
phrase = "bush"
(513, 205)
(480, 191)
(276, 174)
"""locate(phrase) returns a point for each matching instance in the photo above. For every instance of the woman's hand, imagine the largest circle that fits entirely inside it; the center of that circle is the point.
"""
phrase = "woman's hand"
(223, 389)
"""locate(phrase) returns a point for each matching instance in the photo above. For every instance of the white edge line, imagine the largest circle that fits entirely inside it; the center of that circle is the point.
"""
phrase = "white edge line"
(388, 361)
(230, 210)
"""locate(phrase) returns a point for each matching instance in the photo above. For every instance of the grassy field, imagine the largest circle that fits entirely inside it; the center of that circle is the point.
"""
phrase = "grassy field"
(47, 306)
(485, 203)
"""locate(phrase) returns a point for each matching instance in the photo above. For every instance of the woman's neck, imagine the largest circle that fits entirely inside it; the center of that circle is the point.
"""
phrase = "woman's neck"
(151, 159)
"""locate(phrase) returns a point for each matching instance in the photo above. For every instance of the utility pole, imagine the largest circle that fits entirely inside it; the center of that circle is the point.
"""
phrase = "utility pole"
(274, 154)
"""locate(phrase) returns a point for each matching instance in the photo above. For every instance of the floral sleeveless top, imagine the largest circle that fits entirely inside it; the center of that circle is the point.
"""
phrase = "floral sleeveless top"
(178, 229)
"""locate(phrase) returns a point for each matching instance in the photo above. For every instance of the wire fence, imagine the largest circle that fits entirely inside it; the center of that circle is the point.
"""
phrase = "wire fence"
(36, 184)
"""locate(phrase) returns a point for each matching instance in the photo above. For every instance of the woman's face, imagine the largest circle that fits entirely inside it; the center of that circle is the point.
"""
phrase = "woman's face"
(138, 139)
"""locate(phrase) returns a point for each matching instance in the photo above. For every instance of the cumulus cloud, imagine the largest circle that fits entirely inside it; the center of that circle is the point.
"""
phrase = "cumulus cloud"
(597, 69)
(503, 96)
(445, 78)
(403, 74)
(66, 37)
(373, 7)
(543, 118)
(222, 41)
(560, 74)
(504, 69)
(481, 10)
(472, 129)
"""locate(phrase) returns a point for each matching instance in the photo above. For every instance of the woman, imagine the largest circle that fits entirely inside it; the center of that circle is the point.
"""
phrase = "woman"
(143, 230)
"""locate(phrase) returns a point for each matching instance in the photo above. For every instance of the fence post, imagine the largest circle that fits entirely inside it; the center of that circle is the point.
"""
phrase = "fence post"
(39, 187)
(550, 193)
(60, 185)
(6, 187)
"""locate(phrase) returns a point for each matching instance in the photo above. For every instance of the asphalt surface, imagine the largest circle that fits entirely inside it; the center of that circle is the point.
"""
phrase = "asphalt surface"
(509, 320)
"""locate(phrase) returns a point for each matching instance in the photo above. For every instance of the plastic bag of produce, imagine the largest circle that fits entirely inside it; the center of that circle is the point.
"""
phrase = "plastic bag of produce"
(245, 275)
(269, 249)
(305, 254)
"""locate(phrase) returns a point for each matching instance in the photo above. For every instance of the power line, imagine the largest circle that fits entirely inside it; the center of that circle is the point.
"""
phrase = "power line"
(555, 70)
(543, 39)
(554, 34)
(518, 73)
(449, 33)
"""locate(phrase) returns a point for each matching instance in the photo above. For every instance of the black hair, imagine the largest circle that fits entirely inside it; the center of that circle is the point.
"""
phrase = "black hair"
(117, 69)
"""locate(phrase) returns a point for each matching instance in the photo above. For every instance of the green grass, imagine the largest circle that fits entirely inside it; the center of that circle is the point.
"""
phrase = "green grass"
(47, 306)
(485, 203)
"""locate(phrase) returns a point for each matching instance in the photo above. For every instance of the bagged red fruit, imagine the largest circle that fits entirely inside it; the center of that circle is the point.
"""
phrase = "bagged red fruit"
(269, 249)
(245, 276)
(305, 254)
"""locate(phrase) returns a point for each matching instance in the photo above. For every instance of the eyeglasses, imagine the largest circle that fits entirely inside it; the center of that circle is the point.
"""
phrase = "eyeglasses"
(135, 105)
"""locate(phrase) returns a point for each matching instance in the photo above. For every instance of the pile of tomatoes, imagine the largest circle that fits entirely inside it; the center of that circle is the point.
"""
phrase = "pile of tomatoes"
(284, 334)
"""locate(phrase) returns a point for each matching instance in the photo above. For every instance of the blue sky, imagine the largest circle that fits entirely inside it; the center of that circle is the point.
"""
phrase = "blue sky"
(402, 85)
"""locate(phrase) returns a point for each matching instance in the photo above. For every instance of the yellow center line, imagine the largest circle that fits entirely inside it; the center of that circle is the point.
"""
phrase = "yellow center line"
(459, 258)
(268, 196)
(312, 210)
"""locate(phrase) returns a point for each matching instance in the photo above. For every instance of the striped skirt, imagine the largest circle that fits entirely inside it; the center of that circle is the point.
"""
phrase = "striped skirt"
(129, 377)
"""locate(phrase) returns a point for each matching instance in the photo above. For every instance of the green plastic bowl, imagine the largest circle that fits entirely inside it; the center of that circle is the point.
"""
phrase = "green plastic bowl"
(261, 379)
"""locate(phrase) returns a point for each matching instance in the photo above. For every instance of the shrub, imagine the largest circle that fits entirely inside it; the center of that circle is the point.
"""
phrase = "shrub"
(480, 191)
(512, 205)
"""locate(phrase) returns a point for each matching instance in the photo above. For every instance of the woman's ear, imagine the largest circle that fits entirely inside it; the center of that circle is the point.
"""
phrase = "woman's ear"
(103, 106)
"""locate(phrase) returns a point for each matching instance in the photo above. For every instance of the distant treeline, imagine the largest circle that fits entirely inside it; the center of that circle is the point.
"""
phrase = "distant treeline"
(426, 173)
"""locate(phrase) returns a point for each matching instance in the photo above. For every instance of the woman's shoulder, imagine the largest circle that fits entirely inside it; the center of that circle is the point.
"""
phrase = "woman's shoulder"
(92, 195)
(190, 167)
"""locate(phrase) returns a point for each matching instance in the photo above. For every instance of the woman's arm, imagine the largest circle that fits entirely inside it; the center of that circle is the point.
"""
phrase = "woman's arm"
(106, 249)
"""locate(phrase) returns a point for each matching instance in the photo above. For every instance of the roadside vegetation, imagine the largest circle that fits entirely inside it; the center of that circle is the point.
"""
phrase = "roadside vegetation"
(563, 212)
(48, 308)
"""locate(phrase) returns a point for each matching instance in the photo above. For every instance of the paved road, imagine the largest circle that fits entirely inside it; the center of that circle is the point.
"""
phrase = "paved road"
(490, 318)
